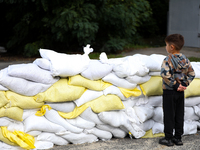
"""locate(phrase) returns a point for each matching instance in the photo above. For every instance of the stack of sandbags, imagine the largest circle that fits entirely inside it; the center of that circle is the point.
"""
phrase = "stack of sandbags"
(62, 99)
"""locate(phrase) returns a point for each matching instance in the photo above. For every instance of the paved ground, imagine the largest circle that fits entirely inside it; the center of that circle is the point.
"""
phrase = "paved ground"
(191, 142)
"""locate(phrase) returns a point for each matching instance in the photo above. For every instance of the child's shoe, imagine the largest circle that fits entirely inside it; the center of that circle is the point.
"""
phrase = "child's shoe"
(178, 142)
(166, 142)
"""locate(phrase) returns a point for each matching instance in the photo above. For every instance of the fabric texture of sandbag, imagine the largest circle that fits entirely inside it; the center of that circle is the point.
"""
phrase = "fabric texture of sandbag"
(119, 82)
(31, 72)
(61, 91)
(42, 63)
(96, 70)
(2, 88)
(62, 106)
(196, 67)
(193, 89)
(153, 87)
(27, 88)
(97, 85)
(15, 113)
(137, 79)
(103, 103)
(3, 99)
(65, 65)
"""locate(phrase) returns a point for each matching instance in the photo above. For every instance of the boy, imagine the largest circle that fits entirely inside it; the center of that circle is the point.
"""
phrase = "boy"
(177, 74)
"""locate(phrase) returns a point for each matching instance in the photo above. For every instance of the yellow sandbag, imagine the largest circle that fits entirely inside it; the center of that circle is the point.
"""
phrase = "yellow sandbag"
(22, 139)
(42, 111)
(24, 102)
(193, 89)
(98, 85)
(5, 140)
(100, 104)
(152, 87)
(60, 92)
(149, 134)
(3, 99)
(128, 93)
(15, 113)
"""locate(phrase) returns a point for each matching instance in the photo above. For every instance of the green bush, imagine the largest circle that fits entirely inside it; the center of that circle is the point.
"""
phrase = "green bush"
(67, 26)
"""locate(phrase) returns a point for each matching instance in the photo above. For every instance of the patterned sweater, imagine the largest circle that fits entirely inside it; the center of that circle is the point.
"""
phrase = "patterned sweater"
(176, 69)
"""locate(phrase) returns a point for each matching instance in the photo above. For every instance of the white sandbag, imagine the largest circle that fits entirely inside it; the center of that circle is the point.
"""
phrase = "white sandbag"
(31, 72)
(41, 145)
(147, 125)
(89, 115)
(190, 127)
(158, 115)
(192, 101)
(40, 123)
(65, 65)
(112, 61)
(131, 65)
(138, 79)
(196, 67)
(119, 82)
(96, 70)
(158, 128)
(115, 91)
(28, 112)
(144, 113)
(130, 112)
(81, 123)
(5, 121)
(129, 103)
(159, 59)
(154, 73)
(34, 133)
(42, 63)
(25, 87)
(116, 132)
(63, 107)
(87, 96)
(2, 88)
(53, 116)
(51, 137)
(189, 114)
(119, 118)
(16, 126)
(101, 134)
(80, 138)
(154, 101)
(197, 110)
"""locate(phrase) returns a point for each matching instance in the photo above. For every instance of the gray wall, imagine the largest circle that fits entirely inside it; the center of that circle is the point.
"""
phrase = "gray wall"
(184, 18)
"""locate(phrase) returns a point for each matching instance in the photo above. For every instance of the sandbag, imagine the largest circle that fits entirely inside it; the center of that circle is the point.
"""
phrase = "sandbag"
(2, 88)
(87, 96)
(96, 70)
(42, 63)
(54, 117)
(153, 87)
(101, 134)
(31, 72)
(80, 138)
(192, 101)
(65, 65)
(21, 101)
(97, 85)
(137, 79)
(61, 91)
(144, 113)
(51, 137)
(26, 87)
(193, 89)
(119, 82)
(190, 114)
(158, 115)
(81, 123)
(62, 106)
(196, 67)
(40, 123)
(3, 99)
(103, 103)
(15, 113)
(147, 125)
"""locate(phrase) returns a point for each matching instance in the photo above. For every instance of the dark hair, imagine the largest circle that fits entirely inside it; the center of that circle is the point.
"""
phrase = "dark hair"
(175, 39)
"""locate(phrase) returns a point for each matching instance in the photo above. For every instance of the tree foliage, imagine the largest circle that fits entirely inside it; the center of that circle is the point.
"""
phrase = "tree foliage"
(67, 26)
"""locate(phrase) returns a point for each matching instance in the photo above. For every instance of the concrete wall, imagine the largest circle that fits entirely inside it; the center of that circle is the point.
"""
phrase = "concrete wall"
(184, 18)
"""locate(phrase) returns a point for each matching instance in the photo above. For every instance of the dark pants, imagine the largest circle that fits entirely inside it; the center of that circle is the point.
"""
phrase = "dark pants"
(173, 110)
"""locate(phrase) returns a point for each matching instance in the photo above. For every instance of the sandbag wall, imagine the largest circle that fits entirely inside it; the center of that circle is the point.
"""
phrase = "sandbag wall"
(62, 99)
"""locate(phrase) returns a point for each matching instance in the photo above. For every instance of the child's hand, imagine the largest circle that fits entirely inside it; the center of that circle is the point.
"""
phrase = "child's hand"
(181, 88)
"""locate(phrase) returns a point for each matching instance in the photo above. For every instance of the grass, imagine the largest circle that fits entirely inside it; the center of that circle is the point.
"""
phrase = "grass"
(194, 59)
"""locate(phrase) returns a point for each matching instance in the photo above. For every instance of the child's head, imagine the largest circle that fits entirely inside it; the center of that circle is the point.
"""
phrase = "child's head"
(176, 40)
